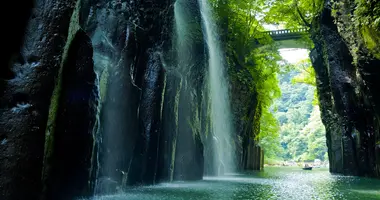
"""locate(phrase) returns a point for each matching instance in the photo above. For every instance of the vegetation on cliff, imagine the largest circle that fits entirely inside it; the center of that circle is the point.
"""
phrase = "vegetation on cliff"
(302, 133)
(345, 55)
(253, 61)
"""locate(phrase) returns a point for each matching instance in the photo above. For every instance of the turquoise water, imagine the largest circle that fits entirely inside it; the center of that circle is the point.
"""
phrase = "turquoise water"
(273, 183)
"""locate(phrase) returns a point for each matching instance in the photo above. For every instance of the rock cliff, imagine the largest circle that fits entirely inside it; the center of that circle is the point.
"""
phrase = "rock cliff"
(345, 59)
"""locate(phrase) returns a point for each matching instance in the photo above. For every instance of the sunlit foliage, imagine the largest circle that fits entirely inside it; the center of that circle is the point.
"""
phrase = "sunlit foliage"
(293, 13)
(306, 75)
(241, 24)
(302, 134)
(248, 48)
(269, 137)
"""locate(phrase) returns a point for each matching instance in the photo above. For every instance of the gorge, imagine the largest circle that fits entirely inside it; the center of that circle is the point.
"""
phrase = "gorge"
(98, 97)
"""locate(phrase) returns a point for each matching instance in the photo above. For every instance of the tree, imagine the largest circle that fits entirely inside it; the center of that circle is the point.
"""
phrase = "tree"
(293, 13)
(249, 50)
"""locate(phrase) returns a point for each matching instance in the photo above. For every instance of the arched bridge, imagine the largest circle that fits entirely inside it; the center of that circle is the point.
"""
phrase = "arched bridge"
(288, 38)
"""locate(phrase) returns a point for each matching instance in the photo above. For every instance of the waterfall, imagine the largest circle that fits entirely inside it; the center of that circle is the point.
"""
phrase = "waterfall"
(182, 38)
(218, 85)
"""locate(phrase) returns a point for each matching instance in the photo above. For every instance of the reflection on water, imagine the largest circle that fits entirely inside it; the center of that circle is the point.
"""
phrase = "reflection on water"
(274, 183)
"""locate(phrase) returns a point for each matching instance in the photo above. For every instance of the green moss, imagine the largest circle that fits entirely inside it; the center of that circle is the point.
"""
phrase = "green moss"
(372, 40)
(172, 160)
(163, 96)
(55, 98)
(367, 13)
(103, 83)
(174, 142)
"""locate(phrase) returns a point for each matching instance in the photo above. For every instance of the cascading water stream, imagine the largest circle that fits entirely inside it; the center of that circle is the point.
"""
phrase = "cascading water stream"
(220, 105)
(182, 35)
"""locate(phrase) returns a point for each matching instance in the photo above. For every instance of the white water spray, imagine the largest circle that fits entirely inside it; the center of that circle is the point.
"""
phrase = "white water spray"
(183, 40)
(220, 103)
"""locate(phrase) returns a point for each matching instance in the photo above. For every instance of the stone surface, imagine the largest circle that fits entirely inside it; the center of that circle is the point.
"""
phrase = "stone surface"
(17, 18)
(75, 125)
(169, 134)
(145, 159)
(346, 83)
(24, 104)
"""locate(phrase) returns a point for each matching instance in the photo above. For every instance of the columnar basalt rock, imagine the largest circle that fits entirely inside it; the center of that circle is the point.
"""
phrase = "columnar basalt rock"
(152, 20)
(247, 113)
(346, 81)
(169, 127)
(71, 159)
(26, 98)
(358, 24)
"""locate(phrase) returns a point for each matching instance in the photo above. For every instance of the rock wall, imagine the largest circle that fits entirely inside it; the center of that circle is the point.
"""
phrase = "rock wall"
(149, 119)
(247, 113)
(96, 100)
(347, 77)
(26, 120)
(71, 155)
(191, 68)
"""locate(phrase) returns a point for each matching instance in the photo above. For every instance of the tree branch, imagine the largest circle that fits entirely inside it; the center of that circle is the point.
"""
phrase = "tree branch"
(301, 16)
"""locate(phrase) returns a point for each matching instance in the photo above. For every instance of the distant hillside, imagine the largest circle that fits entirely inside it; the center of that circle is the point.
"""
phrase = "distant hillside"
(302, 133)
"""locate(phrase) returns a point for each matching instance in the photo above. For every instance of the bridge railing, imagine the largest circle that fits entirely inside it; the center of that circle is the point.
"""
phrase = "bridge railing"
(286, 31)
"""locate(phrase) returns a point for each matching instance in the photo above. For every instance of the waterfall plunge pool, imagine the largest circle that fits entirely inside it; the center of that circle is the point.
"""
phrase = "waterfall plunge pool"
(283, 183)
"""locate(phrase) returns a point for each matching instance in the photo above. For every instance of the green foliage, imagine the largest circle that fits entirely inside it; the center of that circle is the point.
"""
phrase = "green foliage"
(248, 49)
(361, 26)
(306, 75)
(371, 40)
(302, 134)
(293, 13)
(294, 132)
(265, 72)
(268, 137)
(367, 13)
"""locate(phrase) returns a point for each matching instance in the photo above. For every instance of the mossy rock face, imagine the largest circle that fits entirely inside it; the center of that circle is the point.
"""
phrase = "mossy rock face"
(103, 83)
(24, 102)
(371, 39)
(359, 27)
(76, 118)
(347, 48)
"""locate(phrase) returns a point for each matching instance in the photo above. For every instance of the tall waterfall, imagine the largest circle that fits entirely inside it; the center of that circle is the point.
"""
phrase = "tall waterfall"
(220, 104)
(182, 38)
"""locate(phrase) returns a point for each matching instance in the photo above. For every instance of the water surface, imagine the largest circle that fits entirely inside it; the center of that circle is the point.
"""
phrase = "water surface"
(273, 183)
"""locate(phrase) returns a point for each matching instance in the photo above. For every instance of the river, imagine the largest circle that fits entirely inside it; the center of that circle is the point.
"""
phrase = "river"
(272, 183)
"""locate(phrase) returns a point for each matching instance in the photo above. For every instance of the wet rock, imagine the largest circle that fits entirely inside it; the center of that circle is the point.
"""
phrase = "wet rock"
(144, 164)
(329, 119)
(245, 105)
(106, 185)
(35, 71)
(189, 161)
(169, 127)
(17, 18)
(335, 91)
(75, 125)
(119, 114)
(346, 85)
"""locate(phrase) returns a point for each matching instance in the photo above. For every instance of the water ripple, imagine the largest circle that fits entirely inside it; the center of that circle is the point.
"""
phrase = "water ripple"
(273, 183)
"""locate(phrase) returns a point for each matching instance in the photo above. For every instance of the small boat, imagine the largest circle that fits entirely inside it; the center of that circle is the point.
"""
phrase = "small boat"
(307, 168)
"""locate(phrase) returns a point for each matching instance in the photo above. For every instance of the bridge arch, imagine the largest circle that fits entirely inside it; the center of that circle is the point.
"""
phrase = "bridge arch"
(289, 38)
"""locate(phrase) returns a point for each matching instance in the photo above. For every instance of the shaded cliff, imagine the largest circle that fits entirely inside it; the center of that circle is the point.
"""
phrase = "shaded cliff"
(27, 121)
(347, 80)
(97, 98)
(247, 113)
